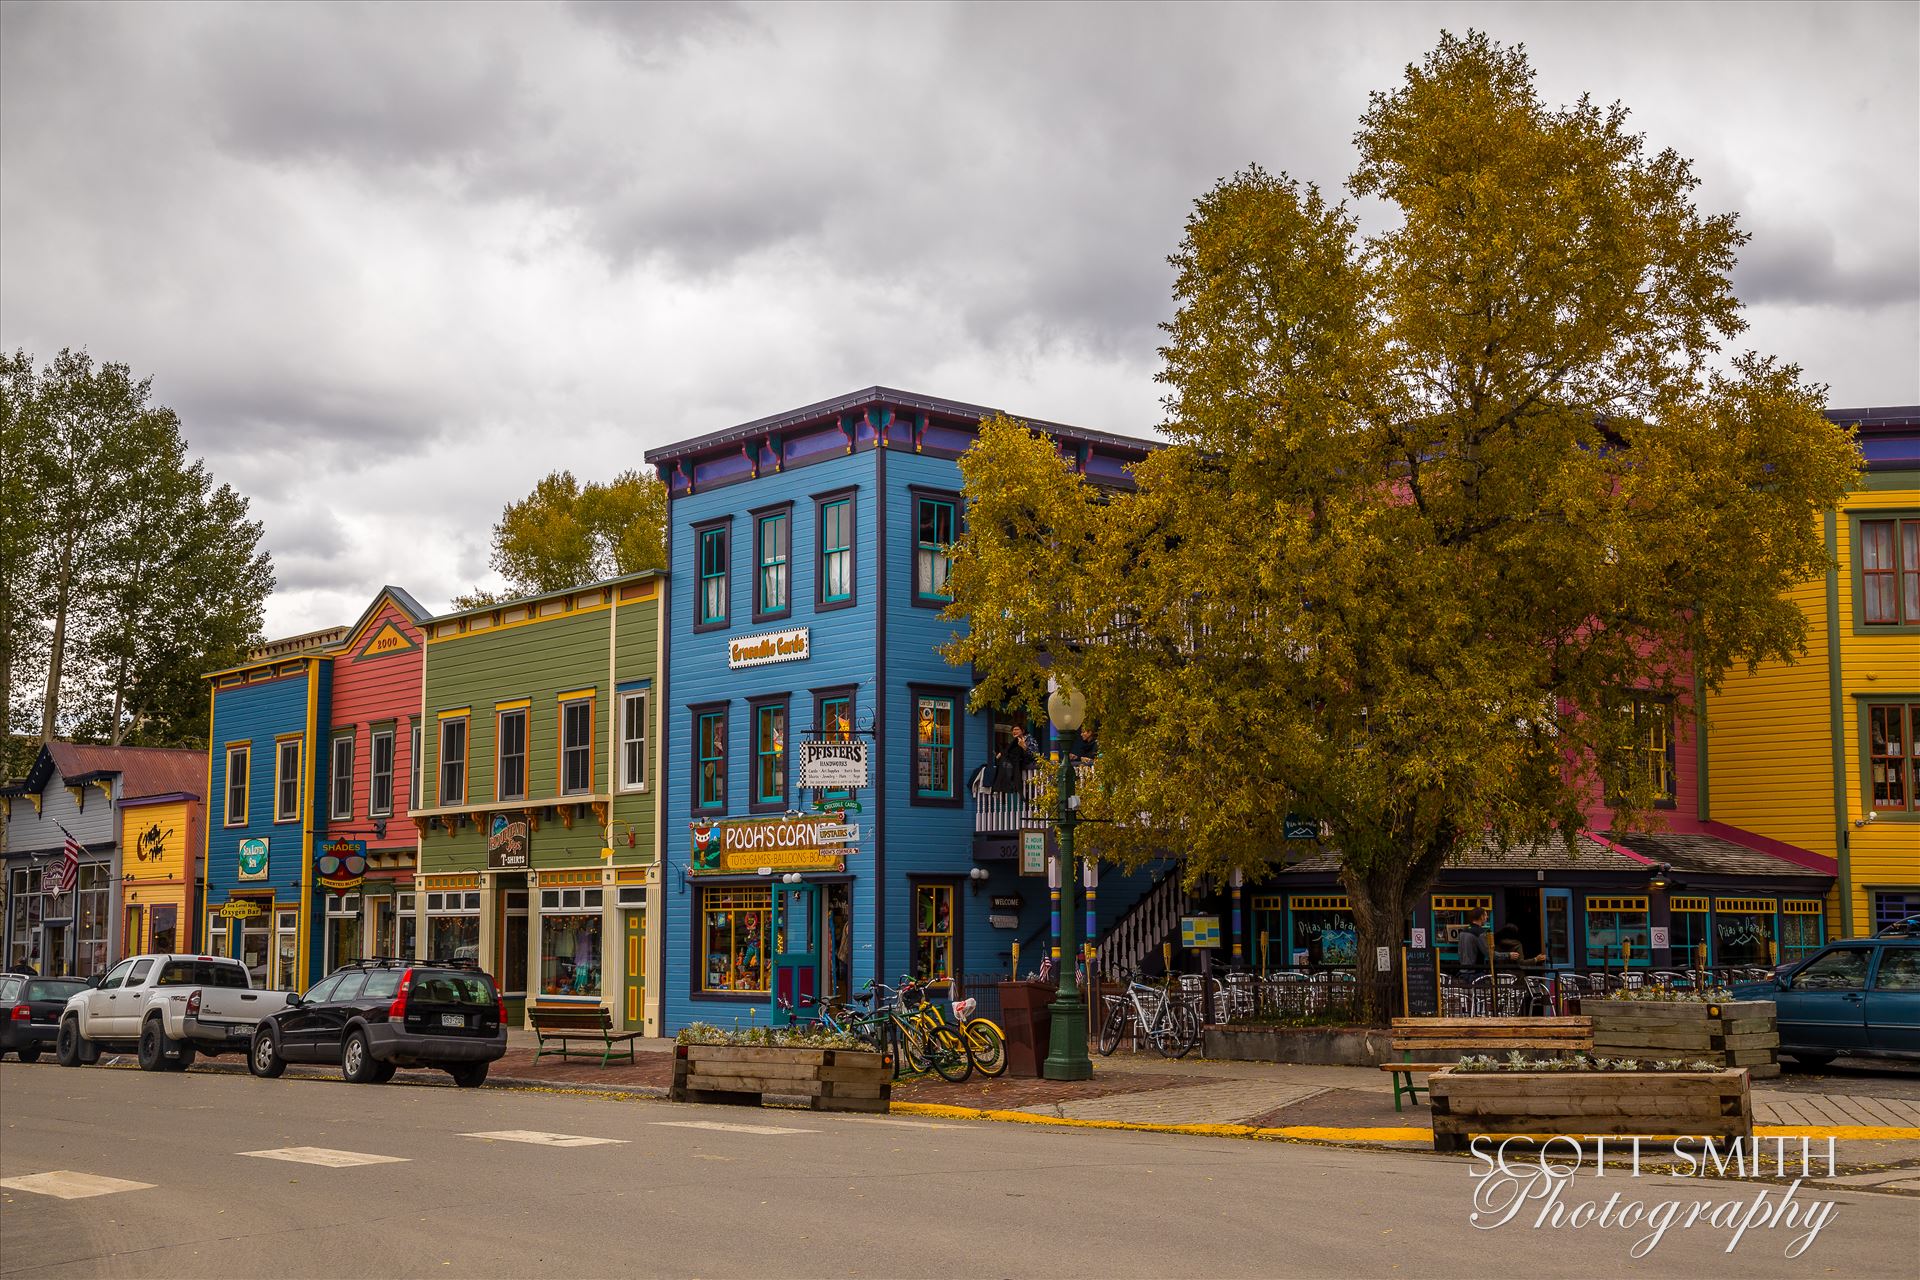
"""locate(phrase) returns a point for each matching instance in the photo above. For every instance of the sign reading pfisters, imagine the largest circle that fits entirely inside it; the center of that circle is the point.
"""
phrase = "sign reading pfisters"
(834, 764)
(791, 645)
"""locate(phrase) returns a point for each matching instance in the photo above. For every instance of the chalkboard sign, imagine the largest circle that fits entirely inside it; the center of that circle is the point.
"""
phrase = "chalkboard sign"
(1423, 986)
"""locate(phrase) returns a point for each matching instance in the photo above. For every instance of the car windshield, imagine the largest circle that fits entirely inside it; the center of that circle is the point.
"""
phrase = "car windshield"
(203, 973)
(451, 988)
(52, 988)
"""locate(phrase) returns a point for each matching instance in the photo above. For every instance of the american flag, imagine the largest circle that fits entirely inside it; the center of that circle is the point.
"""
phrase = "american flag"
(61, 876)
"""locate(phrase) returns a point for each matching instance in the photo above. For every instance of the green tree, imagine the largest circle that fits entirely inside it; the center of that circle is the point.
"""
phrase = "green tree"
(565, 533)
(124, 572)
(1438, 503)
(23, 631)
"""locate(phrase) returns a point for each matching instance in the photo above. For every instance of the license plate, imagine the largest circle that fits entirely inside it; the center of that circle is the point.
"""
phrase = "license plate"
(453, 1020)
(237, 1033)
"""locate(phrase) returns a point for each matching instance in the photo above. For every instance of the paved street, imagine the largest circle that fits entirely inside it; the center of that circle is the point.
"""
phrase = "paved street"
(219, 1174)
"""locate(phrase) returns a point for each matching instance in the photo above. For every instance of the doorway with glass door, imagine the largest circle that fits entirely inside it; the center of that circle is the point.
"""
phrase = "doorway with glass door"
(511, 961)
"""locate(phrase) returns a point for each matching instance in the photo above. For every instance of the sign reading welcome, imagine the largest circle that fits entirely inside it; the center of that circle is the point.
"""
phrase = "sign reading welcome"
(791, 645)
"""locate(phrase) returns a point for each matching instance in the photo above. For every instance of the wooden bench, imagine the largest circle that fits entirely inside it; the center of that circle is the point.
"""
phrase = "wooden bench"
(1433, 1039)
(563, 1025)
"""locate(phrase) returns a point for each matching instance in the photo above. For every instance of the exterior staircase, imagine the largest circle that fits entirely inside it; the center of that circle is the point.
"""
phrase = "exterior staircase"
(1133, 937)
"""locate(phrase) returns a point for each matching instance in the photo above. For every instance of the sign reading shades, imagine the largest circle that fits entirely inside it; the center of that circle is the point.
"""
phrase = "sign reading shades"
(342, 864)
(791, 645)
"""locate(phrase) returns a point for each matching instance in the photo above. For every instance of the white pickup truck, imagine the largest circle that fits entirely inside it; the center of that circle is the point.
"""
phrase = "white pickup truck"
(165, 1009)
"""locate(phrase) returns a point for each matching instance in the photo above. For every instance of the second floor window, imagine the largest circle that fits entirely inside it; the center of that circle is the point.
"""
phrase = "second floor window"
(713, 577)
(932, 557)
(836, 551)
(771, 537)
(1653, 745)
(933, 748)
(1893, 760)
(770, 755)
(576, 747)
(710, 747)
(380, 774)
(286, 782)
(413, 781)
(453, 760)
(633, 741)
(510, 775)
(835, 723)
(342, 778)
(1890, 572)
(239, 761)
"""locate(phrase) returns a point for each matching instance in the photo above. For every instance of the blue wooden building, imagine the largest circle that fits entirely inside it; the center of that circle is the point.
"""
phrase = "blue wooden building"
(268, 766)
(808, 555)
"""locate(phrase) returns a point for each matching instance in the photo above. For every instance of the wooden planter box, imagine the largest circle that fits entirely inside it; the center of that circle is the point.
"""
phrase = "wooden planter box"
(1690, 1103)
(1735, 1033)
(830, 1079)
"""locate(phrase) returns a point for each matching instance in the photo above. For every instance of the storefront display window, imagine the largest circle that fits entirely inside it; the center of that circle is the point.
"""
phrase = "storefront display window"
(1323, 932)
(570, 954)
(1452, 913)
(1743, 931)
(453, 926)
(734, 927)
(1687, 934)
(90, 921)
(1618, 929)
(216, 934)
(933, 932)
(1803, 928)
(165, 929)
(24, 905)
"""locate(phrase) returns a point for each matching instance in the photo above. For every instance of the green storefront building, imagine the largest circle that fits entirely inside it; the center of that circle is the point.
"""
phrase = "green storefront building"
(538, 773)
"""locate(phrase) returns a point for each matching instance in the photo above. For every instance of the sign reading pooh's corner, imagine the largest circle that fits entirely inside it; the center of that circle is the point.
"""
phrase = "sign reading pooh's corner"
(744, 845)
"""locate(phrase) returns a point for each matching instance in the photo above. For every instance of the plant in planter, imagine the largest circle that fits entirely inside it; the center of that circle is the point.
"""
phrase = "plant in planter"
(832, 1070)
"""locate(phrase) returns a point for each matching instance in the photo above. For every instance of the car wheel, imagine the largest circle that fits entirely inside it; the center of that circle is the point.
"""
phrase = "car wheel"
(183, 1056)
(70, 1046)
(356, 1059)
(383, 1072)
(263, 1059)
(469, 1075)
(30, 1055)
(152, 1052)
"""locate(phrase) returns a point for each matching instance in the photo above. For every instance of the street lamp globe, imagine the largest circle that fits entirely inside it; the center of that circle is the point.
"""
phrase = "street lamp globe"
(1066, 708)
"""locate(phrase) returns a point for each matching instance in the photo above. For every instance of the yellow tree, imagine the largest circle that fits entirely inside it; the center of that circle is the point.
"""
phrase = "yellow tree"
(1437, 504)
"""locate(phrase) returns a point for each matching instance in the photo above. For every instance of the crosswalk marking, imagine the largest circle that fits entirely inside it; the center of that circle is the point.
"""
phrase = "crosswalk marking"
(325, 1156)
(905, 1124)
(543, 1139)
(65, 1184)
(727, 1128)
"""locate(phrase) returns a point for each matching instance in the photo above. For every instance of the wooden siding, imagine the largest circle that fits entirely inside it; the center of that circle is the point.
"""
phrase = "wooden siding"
(376, 689)
(534, 662)
(1884, 853)
(90, 818)
(1769, 762)
(161, 850)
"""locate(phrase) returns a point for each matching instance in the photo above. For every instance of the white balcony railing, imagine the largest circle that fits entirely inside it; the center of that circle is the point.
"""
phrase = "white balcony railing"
(998, 813)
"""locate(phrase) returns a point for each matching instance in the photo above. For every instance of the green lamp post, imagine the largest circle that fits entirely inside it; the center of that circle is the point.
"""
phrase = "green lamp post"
(1067, 1058)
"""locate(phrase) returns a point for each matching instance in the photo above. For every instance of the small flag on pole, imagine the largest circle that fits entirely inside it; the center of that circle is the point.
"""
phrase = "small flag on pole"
(60, 877)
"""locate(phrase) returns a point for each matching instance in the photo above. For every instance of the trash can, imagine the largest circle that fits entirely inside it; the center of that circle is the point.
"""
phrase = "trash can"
(1026, 1016)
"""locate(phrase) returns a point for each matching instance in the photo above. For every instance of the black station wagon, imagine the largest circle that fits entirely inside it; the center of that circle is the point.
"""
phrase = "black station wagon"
(374, 1016)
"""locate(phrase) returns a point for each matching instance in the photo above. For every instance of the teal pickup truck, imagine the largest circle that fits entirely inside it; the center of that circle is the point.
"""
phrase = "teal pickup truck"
(1858, 996)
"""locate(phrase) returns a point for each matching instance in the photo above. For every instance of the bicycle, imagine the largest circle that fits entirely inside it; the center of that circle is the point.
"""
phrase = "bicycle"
(920, 1040)
(985, 1040)
(1165, 1019)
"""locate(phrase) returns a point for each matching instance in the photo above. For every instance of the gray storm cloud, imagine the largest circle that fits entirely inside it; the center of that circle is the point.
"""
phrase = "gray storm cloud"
(392, 263)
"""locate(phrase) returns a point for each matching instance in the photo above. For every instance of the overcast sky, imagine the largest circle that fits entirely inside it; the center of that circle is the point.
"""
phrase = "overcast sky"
(393, 264)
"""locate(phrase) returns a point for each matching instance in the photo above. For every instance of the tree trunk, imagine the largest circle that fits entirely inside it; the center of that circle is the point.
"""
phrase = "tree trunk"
(1383, 898)
(57, 648)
